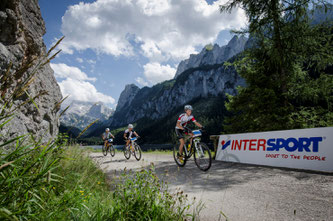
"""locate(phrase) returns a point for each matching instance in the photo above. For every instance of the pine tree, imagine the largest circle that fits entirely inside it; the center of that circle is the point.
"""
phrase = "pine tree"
(288, 68)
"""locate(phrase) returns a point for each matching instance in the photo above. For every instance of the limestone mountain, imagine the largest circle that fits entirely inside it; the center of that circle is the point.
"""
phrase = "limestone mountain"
(216, 55)
(81, 113)
(201, 80)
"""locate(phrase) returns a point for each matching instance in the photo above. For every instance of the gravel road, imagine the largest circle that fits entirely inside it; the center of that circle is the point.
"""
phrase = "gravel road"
(241, 192)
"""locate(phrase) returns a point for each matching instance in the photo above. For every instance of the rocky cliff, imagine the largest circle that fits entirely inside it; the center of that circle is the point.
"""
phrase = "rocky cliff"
(216, 55)
(127, 96)
(80, 114)
(21, 32)
(204, 76)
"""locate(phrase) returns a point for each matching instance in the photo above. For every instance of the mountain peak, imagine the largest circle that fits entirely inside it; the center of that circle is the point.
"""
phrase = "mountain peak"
(215, 56)
(81, 113)
(127, 95)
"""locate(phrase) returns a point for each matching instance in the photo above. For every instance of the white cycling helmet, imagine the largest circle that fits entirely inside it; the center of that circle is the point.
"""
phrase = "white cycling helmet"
(107, 129)
(130, 126)
(188, 107)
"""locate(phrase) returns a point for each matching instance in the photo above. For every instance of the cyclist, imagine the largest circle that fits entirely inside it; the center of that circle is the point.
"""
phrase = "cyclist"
(128, 134)
(106, 136)
(181, 130)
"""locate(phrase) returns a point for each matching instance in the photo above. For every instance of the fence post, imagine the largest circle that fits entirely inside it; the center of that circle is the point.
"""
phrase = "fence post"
(215, 139)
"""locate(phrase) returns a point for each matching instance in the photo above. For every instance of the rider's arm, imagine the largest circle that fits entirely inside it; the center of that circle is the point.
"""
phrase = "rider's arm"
(112, 135)
(179, 126)
(197, 124)
(125, 136)
(136, 134)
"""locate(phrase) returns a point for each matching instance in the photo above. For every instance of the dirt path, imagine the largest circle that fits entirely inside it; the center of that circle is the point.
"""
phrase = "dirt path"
(241, 192)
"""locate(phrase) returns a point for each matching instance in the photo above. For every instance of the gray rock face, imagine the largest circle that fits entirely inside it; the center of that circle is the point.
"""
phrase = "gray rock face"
(81, 114)
(127, 95)
(201, 75)
(156, 103)
(215, 56)
(21, 32)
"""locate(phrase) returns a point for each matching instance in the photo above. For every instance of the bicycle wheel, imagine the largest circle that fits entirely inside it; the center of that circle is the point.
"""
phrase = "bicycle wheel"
(104, 150)
(127, 152)
(112, 151)
(178, 161)
(137, 152)
(202, 157)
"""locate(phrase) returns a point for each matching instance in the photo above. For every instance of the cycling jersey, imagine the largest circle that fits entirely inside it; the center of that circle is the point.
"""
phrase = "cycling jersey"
(107, 135)
(184, 119)
(129, 133)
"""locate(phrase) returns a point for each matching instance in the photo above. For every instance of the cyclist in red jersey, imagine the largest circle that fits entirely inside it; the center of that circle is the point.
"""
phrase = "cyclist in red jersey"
(182, 121)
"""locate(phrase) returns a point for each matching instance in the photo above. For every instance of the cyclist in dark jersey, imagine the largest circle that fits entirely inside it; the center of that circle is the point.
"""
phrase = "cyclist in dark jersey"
(182, 121)
(128, 134)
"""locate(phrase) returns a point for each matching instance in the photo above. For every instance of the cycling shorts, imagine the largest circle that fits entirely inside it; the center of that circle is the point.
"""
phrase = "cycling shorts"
(180, 133)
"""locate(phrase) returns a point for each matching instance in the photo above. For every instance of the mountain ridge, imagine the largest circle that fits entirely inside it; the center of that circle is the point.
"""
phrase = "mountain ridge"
(81, 113)
(202, 80)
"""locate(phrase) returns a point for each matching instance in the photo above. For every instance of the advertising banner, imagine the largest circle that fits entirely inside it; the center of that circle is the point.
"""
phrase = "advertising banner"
(310, 149)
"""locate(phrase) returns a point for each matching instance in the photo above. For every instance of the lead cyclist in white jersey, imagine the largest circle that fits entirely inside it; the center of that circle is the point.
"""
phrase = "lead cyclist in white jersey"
(182, 121)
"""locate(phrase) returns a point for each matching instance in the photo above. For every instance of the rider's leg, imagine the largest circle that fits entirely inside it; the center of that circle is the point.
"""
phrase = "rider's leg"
(181, 145)
(191, 134)
(105, 143)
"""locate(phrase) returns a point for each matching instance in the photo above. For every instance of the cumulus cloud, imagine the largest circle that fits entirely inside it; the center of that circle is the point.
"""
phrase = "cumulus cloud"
(80, 60)
(64, 71)
(83, 91)
(165, 29)
(161, 30)
(141, 81)
(75, 83)
(155, 72)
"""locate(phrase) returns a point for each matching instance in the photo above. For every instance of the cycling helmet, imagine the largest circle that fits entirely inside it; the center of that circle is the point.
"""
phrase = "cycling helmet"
(130, 126)
(107, 129)
(188, 107)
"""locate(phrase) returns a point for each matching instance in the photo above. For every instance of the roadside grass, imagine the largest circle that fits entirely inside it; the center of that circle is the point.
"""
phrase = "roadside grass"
(71, 187)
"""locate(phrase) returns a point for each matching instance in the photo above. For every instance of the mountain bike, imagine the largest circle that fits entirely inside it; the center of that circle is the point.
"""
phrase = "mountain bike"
(133, 149)
(200, 151)
(109, 147)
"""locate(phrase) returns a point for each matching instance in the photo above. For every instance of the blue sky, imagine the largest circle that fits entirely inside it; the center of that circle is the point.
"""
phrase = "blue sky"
(111, 43)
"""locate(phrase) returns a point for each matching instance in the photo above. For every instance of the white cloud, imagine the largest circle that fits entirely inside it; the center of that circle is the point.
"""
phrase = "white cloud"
(141, 81)
(75, 83)
(161, 30)
(156, 73)
(90, 61)
(80, 60)
(64, 71)
(83, 91)
(166, 29)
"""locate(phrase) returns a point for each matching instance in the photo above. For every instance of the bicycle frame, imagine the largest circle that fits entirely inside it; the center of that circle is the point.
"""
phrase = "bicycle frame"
(195, 140)
(133, 141)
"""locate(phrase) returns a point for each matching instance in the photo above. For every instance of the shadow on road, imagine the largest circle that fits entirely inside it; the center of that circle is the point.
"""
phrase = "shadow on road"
(222, 175)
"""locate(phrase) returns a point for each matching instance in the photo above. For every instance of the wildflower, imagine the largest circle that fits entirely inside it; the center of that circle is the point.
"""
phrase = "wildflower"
(81, 191)
(98, 182)
(54, 188)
